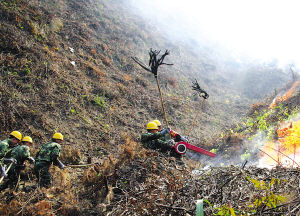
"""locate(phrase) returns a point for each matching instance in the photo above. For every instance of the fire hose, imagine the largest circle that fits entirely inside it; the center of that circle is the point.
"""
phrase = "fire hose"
(182, 146)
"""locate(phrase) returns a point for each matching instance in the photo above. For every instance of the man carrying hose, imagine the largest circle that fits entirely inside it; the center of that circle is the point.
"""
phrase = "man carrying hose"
(152, 138)
(160, 140)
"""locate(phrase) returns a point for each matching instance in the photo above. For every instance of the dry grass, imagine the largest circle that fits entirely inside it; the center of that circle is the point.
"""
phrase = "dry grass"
(106, 61)
(39, 87)
(70, 155)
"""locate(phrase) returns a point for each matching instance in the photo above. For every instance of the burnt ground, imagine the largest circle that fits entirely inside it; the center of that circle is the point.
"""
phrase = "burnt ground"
(66, 66)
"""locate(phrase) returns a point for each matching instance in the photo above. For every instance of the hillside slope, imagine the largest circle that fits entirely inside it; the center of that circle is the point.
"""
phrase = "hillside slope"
(66, 66)
(75, 68)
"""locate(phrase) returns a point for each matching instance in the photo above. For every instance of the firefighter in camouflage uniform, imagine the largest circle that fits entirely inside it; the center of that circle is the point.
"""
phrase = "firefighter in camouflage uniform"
(47, 155)
(7, 144)
(18, 155)
(165, 137)
(154, 139)
(166, 142)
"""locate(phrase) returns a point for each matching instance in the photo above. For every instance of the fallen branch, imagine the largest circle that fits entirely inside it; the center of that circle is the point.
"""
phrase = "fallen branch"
(270, 156)
(1, 179)
(279, 206)
(295, 209)
(284, 155)
(174, 207)
(79, 165)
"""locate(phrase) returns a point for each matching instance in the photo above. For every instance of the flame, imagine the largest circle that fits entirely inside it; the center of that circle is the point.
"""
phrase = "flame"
(286, 150)
(286, 96)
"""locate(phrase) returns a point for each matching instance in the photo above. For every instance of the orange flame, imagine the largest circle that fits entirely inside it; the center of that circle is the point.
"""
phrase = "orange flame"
(286, 150)
(286, 96)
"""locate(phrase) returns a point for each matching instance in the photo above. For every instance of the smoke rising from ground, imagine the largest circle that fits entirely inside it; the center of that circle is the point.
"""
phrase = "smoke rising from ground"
(250, 43)
(261, 30)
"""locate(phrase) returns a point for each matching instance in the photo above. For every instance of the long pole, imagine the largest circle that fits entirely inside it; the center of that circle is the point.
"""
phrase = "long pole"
(196, 117)
(79, 165)
(1, 179)
(162, 103)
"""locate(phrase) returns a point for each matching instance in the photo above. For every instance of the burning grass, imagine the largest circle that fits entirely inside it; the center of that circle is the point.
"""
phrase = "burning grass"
(285, 151)
(285, 96)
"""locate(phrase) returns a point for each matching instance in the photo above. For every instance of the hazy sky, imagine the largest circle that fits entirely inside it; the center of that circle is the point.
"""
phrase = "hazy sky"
(262, 29)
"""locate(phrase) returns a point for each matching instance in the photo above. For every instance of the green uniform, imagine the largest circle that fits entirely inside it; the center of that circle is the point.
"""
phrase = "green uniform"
(47, 155)
(154, 141)
(157, 141)
(4, 147)
(20, 153)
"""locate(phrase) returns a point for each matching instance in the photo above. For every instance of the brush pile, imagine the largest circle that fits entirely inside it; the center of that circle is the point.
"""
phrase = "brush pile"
(160, 186)
(140, 182)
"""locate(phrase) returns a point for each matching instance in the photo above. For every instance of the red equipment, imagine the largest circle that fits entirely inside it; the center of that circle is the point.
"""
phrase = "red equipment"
(174, 134)
(182, 147)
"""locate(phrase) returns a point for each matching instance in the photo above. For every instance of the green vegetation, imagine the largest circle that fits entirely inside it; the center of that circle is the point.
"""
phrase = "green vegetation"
(106, 95)
(100, 101)
(266, 198)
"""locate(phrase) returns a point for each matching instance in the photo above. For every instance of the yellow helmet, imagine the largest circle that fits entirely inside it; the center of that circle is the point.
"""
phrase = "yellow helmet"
(157, 122)
(27, 139)
(152, 125)
(58, 136)
(17, 135)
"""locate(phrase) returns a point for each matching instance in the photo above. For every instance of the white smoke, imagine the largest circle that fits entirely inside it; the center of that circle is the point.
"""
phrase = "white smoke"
(263, 30)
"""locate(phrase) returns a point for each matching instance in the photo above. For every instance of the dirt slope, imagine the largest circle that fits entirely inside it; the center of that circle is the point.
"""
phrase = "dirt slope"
(66, 66)
(69, 63)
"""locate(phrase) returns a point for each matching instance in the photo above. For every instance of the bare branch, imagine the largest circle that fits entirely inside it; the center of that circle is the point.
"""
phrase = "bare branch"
(196, 87)
(140, 63)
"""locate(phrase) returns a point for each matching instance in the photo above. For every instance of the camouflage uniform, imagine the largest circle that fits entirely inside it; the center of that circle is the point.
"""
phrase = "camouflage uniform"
(4, 148)
(20, 153)
(47, 155)
(154, 141)
(157, 141)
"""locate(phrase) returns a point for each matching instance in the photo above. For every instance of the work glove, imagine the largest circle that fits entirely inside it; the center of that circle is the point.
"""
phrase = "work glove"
(165, 131)
(61, 165)
(3, 173)
(171, 143)
(184, 139)
(31, 159)
(10, 160)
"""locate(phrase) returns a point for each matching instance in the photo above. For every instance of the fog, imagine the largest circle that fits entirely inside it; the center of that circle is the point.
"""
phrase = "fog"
(244, 30)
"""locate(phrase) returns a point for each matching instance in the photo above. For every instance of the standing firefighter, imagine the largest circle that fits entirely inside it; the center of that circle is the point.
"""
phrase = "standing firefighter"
(47, 155)
(18, 154)
(7, 144)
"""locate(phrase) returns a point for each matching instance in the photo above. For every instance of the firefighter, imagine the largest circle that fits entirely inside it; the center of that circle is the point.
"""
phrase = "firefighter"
(171, 138)
(14, 139)
(158, 124)
(171, 134)
(19, 155)
(47, 155)
(152, 138)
